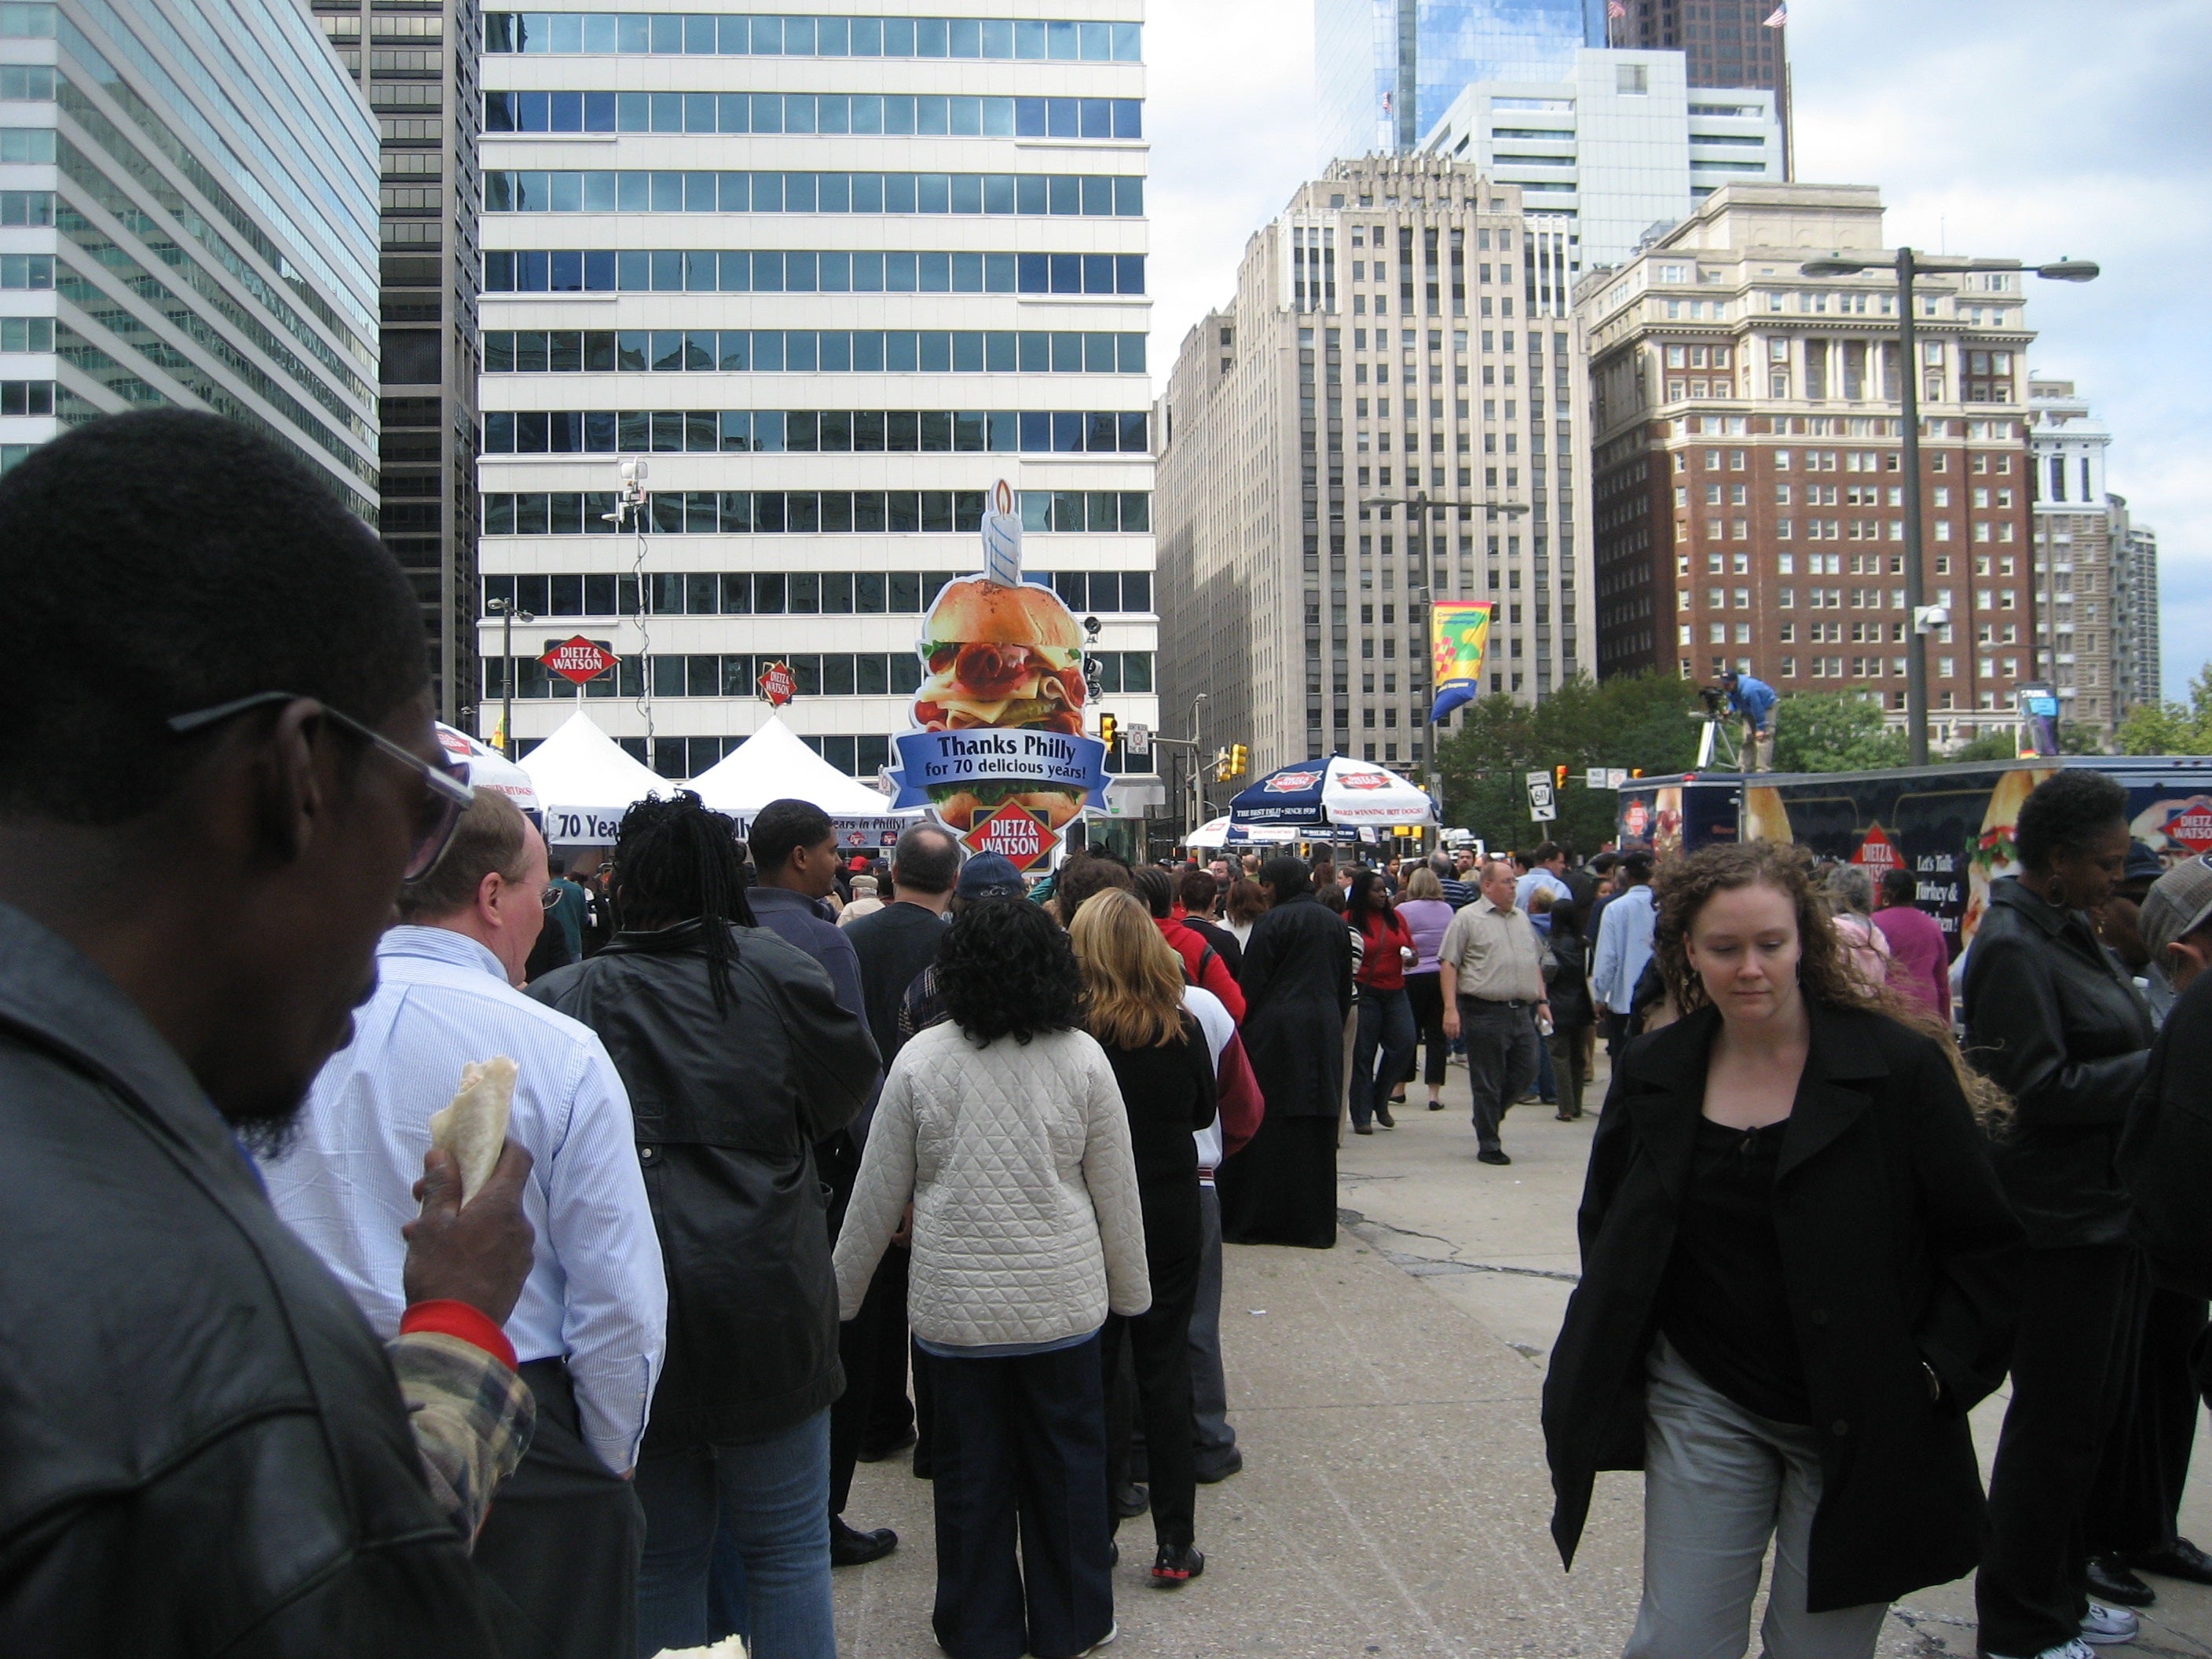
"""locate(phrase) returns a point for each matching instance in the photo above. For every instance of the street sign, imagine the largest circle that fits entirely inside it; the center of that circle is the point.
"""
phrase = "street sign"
(1014, 832)
(1615, 776)
(1137, 740)
(578, 659)
(1595, 777)
(778, 684)
(1541, 809)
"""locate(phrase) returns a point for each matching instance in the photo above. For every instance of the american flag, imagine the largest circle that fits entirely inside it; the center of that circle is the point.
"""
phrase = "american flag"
(1780, 17)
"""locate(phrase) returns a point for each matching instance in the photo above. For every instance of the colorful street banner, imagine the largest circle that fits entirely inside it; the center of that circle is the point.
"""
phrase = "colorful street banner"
(1459, 637)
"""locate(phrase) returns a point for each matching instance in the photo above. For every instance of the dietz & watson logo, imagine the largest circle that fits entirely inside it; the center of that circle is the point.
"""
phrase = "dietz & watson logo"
(1291, 783)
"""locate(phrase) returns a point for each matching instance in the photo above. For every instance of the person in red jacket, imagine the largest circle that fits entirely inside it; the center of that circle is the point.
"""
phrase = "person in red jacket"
(1202, 963)
(1386, 1013)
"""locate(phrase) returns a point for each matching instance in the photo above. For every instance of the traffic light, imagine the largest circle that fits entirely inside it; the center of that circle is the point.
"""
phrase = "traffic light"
(1222, 764)
(1106, 729)
(1240, 760)
(1635, 771)
(1559, 773)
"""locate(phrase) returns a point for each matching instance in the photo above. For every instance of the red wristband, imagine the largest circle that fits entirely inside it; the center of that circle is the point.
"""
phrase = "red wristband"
(471, 1325)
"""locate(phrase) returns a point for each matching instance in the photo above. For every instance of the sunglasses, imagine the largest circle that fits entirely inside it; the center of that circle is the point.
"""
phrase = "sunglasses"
(445, 789)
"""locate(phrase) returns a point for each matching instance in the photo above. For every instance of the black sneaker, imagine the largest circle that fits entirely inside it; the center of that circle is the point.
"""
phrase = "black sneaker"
(1491, 1158)
(2109, 1580)
(2180, 1559)
(1383, 1116)
(851, 1547)
(1131, 1499)
(1177, 1565)
(1210, 1474)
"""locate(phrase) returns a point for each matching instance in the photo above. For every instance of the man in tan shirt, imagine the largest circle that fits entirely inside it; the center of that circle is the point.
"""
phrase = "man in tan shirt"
(1493, 991)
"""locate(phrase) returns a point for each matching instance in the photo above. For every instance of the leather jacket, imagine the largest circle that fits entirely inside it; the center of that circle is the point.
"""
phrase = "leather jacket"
(203, 1448)
(728, 1105)
(2056, 1022)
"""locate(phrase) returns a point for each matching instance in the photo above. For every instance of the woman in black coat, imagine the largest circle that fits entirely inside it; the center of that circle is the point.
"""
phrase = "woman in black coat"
(1281, 1188)
(1791, 1292)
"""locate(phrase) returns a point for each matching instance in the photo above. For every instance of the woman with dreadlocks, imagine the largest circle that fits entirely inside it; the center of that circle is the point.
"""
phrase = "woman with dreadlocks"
(1793, 1243)
(738, 1060)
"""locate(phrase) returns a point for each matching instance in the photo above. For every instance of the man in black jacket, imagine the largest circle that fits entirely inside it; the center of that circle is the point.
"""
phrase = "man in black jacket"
(2166, 1160)
(2054, 1020)
(219, 671)
(739, 1062)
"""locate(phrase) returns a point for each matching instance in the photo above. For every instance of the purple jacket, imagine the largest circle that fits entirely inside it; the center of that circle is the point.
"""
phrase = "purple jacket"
(1919, 960)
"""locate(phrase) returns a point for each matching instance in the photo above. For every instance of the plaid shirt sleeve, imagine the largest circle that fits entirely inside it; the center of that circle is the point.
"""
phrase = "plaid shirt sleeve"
(472, 1417)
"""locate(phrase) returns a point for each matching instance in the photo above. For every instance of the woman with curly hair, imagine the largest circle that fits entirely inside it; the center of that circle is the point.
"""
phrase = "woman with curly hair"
(1791, 1291)
(1003, 1128)
(1134, 1005)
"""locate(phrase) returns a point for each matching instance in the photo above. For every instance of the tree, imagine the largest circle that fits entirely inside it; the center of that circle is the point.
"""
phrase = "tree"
(1833, 732)
(1634, 721)
(1990, 747)
(2171, 728)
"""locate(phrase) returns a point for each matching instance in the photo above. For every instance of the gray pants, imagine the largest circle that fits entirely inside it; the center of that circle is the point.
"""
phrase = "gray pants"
(1209, 1386)
(1501, 1060)
(1719, 1483)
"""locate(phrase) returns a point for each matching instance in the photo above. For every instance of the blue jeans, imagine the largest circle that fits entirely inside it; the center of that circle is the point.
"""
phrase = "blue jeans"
(1386, 1021)
(773, 1494)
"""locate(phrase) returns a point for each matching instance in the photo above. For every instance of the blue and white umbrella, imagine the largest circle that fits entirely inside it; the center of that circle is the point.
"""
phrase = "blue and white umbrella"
(1335, 791)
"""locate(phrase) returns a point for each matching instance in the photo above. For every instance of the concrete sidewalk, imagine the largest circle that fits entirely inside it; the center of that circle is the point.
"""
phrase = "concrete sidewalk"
(1498, 1245)
(1393, 1499)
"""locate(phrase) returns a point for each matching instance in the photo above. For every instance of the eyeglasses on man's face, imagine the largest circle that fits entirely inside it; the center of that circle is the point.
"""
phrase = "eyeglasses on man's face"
(445, 789)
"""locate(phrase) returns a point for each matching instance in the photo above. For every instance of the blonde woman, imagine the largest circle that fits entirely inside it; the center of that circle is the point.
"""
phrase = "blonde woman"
(1134, 1005)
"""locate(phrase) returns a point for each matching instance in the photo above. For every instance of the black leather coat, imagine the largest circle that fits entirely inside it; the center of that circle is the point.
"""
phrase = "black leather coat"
(728, 1105)
(203, 1448)
(1892, 1231)
(2054, 1019)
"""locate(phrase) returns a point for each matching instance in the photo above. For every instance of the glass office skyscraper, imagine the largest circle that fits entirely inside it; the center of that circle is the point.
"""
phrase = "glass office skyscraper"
(1386, 70)
(188, 216)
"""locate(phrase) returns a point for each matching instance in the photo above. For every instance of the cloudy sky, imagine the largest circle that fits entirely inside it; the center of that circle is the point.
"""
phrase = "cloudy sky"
(2016, 128)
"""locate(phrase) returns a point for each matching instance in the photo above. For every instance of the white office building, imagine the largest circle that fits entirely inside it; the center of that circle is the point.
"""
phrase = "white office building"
(1623, 146)
(828, 277)
(188, 218)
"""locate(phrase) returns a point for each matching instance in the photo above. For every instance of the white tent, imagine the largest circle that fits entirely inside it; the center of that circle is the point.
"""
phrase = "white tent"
(489, 768)
(586, 780)
(775, 764)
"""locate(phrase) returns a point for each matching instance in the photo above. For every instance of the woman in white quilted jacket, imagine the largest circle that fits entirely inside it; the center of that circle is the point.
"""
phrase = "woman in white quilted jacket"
(1005, 1130)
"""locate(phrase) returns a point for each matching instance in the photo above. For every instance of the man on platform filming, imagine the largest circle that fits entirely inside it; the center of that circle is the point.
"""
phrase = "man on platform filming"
(1752, 700)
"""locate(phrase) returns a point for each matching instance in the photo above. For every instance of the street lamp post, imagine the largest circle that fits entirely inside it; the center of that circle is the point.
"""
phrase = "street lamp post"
(508, 615)
(1909, 266)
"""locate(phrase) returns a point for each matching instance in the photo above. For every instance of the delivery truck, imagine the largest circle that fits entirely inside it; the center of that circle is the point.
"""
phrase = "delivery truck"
(1950, 825)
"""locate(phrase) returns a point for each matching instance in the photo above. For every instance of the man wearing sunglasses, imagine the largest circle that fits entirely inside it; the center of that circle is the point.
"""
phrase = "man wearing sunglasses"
(218, 669)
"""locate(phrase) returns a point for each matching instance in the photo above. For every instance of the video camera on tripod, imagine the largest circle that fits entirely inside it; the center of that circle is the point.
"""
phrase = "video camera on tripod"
(1720, 744)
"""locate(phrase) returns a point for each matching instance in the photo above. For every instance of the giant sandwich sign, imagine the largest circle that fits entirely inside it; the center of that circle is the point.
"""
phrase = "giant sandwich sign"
(997, 721)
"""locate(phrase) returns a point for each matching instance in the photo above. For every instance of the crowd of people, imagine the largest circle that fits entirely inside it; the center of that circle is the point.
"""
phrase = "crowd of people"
(812, 1160)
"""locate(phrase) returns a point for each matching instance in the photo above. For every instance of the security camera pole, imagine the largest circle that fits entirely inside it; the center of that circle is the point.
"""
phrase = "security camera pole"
(1924, 616)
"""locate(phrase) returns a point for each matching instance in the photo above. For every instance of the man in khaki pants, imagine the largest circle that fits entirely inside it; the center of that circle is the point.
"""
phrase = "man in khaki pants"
(1493, 994)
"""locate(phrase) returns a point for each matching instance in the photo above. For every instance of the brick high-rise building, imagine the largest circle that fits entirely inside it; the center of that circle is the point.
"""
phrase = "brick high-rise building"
(1747, 482)
(1727, 43)
(1400, 330)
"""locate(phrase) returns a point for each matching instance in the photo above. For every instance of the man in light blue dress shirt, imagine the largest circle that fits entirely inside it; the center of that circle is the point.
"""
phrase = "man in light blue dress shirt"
(563, 1543)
